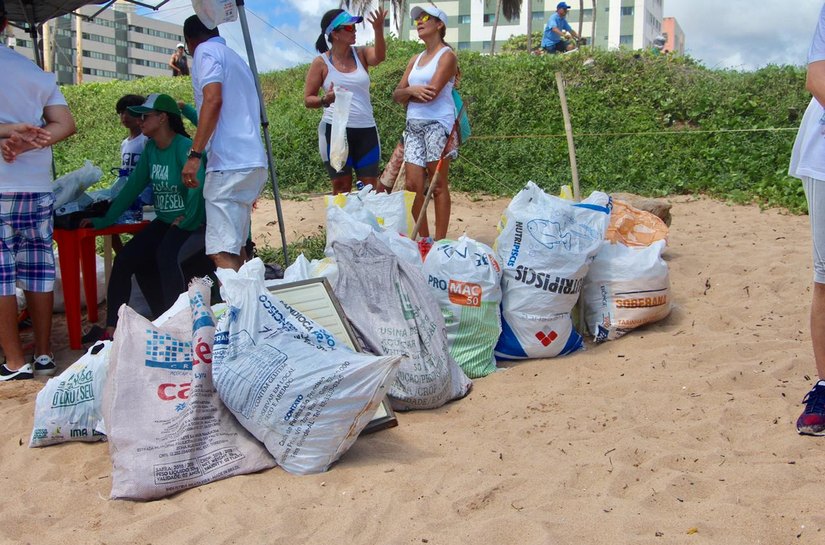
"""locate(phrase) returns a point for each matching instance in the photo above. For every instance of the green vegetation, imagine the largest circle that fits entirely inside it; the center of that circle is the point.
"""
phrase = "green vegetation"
(648, 124)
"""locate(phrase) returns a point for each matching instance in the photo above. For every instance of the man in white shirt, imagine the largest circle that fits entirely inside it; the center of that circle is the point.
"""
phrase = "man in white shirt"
(33, 117)
(229, 118)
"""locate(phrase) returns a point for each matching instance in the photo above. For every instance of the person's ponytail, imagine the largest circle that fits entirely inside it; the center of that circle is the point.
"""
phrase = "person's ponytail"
(176, 124)
(321, 44)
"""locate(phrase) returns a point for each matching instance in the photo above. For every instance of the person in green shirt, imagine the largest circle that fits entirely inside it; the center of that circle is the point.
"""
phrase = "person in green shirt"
(154, 255)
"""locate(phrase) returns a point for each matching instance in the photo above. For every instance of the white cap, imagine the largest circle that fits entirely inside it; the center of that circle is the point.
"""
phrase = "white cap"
(432, 10)
(181, 45)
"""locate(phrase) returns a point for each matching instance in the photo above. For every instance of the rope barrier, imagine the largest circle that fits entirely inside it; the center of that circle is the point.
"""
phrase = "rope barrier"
(649, 133)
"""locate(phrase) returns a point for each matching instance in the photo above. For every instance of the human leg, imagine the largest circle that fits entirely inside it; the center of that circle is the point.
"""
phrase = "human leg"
(169, 258)
(812, 420)
(441, 197)
(229, 197)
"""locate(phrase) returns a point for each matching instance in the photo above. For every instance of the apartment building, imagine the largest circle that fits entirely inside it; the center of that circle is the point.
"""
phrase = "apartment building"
(619, 23)
(675, 37)
(117, 44)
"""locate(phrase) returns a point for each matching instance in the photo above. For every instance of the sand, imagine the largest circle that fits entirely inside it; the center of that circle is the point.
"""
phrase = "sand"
(682, 432)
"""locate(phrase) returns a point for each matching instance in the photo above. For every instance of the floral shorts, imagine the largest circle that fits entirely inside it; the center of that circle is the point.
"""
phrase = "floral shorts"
(425, 141)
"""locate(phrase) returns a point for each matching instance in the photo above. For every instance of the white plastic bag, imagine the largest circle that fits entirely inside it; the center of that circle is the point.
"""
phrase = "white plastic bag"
(71, 186)
(339, 149)
(288, 380)
(215, 12)
(69, 407)
(465, 277)
(545, 247)
(625, 288)
(100, 279)
(392, 211)
(303, 269)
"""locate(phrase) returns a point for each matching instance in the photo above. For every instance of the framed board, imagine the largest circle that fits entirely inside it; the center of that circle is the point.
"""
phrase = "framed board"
(315, 299)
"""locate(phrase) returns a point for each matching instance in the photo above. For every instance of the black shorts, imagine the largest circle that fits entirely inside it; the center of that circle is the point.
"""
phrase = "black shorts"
(364, 151)
(560, 47)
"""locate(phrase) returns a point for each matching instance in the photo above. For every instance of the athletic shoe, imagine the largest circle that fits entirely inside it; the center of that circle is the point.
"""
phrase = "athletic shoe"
(23, 373)
(43, 365)
(812, 419)
(95, 333)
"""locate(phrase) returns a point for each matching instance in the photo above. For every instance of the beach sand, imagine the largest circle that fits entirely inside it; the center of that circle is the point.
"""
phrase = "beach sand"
(681, 432)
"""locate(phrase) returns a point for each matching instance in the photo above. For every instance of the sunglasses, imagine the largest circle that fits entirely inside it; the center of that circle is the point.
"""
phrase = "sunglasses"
(144, 116)
(423, 18)
(348, 28)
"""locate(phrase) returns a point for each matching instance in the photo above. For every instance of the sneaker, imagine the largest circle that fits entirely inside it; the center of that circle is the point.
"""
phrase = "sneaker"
(23, 373)
(43, 365)
(812, 419)
(95, 333)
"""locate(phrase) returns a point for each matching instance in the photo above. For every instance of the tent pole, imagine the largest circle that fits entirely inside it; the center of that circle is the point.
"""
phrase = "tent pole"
(265, 124)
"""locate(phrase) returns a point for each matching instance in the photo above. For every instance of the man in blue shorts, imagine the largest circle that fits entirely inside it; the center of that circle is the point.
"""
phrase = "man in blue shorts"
(553, 40)
(33, 117)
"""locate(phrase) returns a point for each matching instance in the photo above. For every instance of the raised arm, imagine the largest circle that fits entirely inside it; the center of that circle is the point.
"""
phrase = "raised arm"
(375, 55)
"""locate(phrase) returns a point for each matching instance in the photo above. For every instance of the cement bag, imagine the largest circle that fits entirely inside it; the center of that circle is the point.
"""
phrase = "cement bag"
(465, 277)
(390, 306)
(168, 430)
(287, 379)
(69, 407)
(100, 278)
(357, 223)
(338, 147)
(626, 288)
(633, 227)
(545, 247)
(72, 185)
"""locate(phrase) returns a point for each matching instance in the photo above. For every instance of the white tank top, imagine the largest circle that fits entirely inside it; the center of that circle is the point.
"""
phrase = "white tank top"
(439, 109)
(357, 81)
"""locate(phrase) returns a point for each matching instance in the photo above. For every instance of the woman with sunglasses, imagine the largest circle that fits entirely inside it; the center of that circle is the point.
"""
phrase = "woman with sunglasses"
(342, 65)
(154, 254)
(426, 90)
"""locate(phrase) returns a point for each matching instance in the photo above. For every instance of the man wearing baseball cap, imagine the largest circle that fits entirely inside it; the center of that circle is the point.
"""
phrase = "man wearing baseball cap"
(178, 62)
(554, 40)
(33, 117)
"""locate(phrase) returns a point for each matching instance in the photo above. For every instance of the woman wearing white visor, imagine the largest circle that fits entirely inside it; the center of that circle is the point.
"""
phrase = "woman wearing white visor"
(426, 90)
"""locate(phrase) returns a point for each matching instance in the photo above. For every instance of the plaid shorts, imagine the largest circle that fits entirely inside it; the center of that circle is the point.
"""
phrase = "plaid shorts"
(26, 255)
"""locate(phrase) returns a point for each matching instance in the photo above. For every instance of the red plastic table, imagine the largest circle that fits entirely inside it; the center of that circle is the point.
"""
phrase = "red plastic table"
(76, 248)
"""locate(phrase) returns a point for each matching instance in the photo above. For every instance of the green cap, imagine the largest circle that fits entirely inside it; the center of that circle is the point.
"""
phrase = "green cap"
(157, 102)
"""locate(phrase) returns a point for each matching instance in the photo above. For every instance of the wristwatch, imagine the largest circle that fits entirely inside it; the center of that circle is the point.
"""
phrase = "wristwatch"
(194, 154)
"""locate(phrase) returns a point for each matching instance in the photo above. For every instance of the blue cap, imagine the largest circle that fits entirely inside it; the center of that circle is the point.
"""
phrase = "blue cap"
(562, 5)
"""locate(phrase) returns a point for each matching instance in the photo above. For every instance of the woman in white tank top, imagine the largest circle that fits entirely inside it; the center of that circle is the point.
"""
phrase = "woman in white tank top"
(426, 91)
(345, 66)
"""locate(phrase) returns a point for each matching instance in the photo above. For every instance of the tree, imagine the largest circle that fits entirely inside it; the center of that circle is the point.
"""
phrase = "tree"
(529, 11)
(593, 27)
(399, 8)
(511, 9)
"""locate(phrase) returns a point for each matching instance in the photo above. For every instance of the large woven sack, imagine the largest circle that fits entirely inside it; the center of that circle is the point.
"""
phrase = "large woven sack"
(168, 430)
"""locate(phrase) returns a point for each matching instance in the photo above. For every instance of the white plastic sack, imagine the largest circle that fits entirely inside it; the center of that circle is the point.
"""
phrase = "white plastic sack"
(545, 247)
(304, 269)
(465, 277)
(69, 407)
(390, 306)
(626, 288)
(167, 428)
(357, 223)
(287, 379)
(100, 278)
(392, 211)
(71, 186)
(338, 148)
(215, 12)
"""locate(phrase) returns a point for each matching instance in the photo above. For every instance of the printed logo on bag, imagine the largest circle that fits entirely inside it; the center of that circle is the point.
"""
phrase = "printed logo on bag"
(546, 338)
(449, 251)
(75, 390)
(519, 232)
(173, 392)
(547, 282)
(491, 259)
(166, 352)
(466, 294)
(549, 234)
(642, 302)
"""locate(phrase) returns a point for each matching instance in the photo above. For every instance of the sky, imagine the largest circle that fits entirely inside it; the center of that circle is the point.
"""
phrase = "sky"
(731, 34)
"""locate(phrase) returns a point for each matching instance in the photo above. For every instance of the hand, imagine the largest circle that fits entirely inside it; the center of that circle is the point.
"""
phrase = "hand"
(14, 145)
(190, 169)
(329, 95)
(37, 136)
(376, 19)
(86, 223)
(177, 221)
(421, 93)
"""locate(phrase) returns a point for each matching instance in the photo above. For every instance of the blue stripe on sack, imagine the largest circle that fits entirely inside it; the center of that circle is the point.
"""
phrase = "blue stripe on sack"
(171, 365)
(370, 158)
(508, 345)
(574, 342)
(203, 321)
(595, 207)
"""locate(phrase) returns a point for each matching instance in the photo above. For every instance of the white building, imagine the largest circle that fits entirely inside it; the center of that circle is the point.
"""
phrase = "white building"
(619, 23)
(117, 44)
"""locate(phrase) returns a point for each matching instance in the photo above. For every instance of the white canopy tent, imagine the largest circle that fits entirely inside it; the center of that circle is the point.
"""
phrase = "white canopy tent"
(30, 15)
